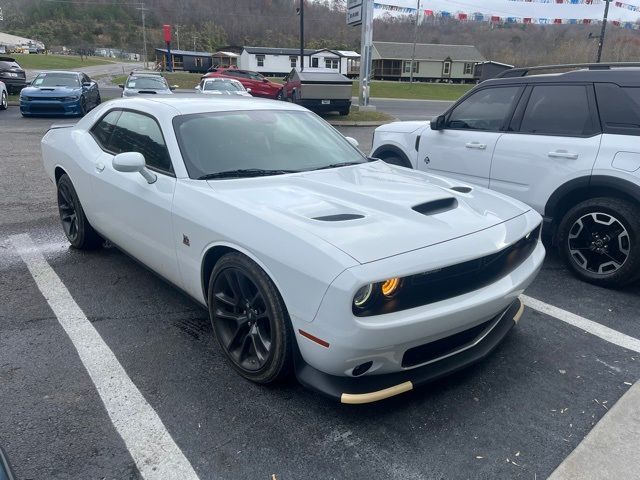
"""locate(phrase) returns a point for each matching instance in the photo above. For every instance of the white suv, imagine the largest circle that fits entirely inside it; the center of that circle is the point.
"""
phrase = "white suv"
(568, 144)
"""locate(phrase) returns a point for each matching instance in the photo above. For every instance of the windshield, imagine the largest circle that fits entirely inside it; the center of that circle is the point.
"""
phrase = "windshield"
(260, 139)
(56, 80)
(223, 86)
(152, 83)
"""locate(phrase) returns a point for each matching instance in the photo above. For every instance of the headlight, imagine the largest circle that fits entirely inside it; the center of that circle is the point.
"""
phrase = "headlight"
(76, 97)
(390, 287)
(363, 296)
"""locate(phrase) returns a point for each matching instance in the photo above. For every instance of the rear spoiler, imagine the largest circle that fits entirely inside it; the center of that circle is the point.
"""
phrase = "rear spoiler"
(56, 126)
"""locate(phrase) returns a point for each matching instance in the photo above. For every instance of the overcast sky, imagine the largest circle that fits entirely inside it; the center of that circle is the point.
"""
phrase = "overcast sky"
(506, 8)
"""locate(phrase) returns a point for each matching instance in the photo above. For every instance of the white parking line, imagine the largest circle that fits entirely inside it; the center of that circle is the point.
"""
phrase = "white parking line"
(582, 323)
(156, 454)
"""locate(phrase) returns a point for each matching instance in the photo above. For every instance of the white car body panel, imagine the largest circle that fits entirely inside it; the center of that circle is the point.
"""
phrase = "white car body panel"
(316, 266)
(531, 167)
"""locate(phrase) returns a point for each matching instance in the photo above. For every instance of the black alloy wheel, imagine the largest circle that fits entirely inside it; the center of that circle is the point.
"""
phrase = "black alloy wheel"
(4, 103)
(68, 214)
(75, 224)
(249, 320)
(598, 240)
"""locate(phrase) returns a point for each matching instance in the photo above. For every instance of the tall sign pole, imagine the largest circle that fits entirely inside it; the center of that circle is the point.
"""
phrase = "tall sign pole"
(415, 39)
(301, 35)
(602, 31)
(144, 35)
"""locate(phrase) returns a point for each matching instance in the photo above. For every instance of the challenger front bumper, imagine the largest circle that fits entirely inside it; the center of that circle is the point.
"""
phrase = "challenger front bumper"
(373, 388)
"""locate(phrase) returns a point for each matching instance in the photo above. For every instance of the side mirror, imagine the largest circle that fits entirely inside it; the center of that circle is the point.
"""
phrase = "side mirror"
(87, 84)
(197, 87)
(121, 85)
(353, 141)
(265, 80)
(129, 162)
(173, 87)
(438, 123)
(248, 90)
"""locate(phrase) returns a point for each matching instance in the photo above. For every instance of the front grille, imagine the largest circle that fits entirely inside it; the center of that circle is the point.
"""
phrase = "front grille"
(430, 351)
(436, 285)
(46, 107)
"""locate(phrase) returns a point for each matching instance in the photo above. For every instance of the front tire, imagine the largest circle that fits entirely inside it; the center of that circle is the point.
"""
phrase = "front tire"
(4, 103)
(599, 239)
(250, 320)
(77, 228)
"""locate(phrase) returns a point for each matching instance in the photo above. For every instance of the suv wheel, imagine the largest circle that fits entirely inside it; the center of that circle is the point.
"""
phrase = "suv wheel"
(3, 101)
(599, 241)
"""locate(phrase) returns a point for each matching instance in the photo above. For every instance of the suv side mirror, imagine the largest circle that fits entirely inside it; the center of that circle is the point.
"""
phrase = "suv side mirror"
(438, 123)
(121, 85)
(265, 80)
(173, 87)
(87, 84)
(128, 162)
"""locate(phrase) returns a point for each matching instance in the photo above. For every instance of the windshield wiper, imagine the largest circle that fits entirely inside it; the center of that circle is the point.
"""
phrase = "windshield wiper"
(245, 173)
(337, 165)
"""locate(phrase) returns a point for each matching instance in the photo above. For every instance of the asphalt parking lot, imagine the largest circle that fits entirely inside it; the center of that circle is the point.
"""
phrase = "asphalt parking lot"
(516, 415)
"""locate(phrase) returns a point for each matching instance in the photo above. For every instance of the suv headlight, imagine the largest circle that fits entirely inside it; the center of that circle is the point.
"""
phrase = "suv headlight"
(75, 97)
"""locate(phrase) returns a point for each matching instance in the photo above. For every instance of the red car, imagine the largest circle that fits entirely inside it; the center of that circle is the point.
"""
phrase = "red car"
(259, 85)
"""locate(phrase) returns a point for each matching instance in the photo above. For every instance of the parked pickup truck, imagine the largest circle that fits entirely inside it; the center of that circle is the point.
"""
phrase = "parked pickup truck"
(320, 90)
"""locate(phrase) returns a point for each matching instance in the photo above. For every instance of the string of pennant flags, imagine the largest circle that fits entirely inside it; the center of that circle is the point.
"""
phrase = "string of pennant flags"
(499, 19)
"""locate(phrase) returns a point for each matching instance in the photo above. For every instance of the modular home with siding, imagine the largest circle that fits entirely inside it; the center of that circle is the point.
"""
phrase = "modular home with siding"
(433, 62)
(280, 61)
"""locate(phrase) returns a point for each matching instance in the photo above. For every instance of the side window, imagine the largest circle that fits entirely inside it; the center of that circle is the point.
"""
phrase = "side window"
(486, 109)
(558, 110)
(102, 130)
(619, 108)
(136, 132)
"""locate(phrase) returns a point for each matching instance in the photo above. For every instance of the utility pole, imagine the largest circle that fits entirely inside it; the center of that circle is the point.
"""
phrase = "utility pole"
(178, 36)
(144, 36)
(602, 31)
(301, 35)
(415, 39)
(366, 43)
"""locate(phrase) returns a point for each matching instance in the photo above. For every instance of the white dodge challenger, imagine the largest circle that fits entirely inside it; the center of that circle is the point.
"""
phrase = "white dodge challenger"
(363, 278)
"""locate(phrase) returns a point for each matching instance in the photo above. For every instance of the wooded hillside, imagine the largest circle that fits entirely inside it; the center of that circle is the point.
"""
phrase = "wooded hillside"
(210, 24)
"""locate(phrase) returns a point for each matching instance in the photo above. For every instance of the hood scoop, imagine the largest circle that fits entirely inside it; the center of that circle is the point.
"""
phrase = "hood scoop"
(147, 92)
(340, 217)
(462, 189)
(436, 206)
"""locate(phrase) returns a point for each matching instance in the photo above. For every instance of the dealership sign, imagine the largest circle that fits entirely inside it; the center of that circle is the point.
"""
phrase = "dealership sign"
(354, 12)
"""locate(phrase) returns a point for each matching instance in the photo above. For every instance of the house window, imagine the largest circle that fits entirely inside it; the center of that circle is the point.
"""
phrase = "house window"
(406, 67)
(468, 68)
(446, 67)
(314, 62)
(198, 61)
(294, 61)
(332, 63)
(260, 60)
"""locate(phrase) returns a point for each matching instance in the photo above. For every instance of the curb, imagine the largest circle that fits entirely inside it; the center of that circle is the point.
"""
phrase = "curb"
(610, 449)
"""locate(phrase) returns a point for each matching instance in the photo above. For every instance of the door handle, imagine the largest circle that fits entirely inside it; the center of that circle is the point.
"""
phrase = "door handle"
(99, 167)
(476, 145)
(563, 154)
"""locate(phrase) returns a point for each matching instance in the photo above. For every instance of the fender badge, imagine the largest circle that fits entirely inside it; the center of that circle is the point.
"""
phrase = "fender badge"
(185, 240)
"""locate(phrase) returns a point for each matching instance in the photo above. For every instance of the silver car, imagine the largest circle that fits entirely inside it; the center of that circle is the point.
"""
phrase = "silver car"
(139, 83)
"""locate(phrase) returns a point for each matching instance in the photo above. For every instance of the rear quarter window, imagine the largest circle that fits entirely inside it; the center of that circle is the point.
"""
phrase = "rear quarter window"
(619, 108)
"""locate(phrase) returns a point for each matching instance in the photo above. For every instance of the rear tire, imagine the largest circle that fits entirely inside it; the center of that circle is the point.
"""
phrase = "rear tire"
(75, 224)
(344, 113)
(250, 320)
(599, 240)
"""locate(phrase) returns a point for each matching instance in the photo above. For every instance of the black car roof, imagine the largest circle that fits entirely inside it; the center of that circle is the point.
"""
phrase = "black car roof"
(623, 76)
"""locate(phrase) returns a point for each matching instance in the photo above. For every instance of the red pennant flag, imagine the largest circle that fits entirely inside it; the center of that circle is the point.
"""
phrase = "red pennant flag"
(557, 21)
(495, 19)
(462, 16)
(428, 13)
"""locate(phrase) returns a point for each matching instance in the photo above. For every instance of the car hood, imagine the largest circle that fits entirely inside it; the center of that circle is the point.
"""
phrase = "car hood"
(50, 91)
(403, 127)
(371, 211)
